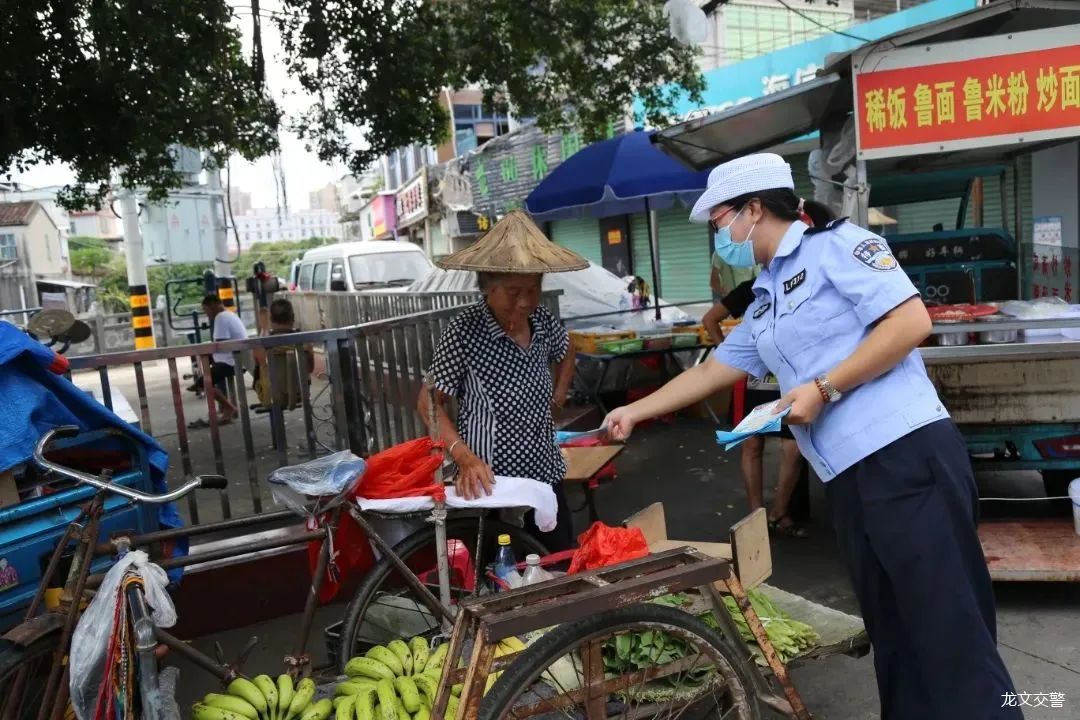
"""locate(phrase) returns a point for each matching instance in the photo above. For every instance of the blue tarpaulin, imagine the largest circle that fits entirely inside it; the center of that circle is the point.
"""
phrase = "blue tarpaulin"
(37, 400)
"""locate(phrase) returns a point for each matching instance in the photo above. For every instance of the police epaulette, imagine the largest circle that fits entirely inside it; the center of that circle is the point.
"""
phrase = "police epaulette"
(828, 226)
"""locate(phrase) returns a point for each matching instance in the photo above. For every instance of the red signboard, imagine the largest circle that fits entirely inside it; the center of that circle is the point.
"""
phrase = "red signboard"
(940, 106)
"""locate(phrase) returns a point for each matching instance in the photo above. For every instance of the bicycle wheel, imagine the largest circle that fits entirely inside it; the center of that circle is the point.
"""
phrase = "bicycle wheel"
(23, 674)
(385, 608)
(675, 665)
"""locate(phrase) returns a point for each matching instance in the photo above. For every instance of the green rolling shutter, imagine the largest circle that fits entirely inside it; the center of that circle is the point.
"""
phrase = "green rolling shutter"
(582, 235)
(921, 217)
(639, 246)
(684, 255)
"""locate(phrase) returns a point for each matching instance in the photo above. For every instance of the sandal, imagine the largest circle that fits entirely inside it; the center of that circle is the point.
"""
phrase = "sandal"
(198, 424)
(788, 528)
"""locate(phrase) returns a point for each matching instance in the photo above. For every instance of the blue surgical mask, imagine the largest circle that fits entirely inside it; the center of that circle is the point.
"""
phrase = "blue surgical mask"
(735, 254)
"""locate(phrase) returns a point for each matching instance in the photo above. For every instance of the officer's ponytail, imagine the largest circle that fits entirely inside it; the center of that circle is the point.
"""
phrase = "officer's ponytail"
(786, 205)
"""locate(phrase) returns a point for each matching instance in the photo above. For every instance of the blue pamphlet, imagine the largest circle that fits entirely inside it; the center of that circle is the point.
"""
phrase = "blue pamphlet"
(762, 419)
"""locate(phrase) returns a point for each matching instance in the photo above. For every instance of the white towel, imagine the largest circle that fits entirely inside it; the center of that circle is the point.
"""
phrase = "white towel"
(508, 492)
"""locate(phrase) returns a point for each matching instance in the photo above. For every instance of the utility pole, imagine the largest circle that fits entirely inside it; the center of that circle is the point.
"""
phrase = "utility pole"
(222, 268)
(142, 322)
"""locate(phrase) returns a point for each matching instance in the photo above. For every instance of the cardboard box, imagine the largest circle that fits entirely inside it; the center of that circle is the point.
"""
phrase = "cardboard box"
(748, 548)
(9, 490)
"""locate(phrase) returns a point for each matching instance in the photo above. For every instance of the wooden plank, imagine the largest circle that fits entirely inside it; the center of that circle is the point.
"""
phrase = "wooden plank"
(750, 546)
(1043, 550)
(626, 592)
(485, 605)
(651, 522)
(653, 525)
(584, 462)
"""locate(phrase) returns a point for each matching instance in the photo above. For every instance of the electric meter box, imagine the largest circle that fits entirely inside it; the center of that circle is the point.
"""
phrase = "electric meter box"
(179, 230)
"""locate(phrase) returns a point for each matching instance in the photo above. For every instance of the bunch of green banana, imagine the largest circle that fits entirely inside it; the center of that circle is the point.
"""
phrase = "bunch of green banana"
(399, 681)
(262, 699)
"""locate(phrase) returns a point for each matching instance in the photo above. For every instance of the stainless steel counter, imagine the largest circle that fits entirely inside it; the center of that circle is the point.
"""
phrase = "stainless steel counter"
(1042, 347)
(1039, 348)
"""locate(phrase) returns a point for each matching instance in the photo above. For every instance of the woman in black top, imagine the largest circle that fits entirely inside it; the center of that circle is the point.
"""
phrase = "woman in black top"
(734, 304)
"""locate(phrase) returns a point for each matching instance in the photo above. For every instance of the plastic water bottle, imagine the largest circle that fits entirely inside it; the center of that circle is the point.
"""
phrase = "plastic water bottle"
(534, 573)
(506, 563)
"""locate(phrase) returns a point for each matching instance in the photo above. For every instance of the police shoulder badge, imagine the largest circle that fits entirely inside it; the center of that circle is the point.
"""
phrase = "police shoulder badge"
(875, 254)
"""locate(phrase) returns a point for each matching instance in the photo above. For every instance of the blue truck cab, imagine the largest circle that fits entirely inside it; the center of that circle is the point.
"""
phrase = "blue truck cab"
(30, 530)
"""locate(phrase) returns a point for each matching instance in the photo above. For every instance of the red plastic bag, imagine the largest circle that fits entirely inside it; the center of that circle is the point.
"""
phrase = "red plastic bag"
(352, 554)
(405, 470)
(602, 545)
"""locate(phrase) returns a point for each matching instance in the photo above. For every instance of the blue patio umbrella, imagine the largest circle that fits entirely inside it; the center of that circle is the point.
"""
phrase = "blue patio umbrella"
(620, 176)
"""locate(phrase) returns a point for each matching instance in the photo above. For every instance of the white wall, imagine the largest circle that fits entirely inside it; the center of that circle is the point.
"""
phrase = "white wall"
(263, 225)
(43, 246)
(1055, 190)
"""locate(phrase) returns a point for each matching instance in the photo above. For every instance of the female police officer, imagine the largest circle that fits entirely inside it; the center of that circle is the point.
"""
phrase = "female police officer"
(837, 322)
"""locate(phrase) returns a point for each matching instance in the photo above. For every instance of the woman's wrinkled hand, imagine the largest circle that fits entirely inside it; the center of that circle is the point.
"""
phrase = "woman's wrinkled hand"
(475, 477)
(620, 423)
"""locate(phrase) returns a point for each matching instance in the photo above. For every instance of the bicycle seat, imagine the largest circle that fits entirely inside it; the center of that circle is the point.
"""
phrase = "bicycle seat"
(328, 480)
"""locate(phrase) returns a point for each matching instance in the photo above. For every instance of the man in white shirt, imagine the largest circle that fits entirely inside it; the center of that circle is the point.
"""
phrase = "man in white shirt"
(226, 326)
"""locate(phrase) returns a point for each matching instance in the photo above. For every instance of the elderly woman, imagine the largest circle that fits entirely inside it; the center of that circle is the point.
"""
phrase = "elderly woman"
(507, 361)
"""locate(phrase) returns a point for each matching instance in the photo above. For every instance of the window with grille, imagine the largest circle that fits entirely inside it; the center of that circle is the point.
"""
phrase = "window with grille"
(8, 249)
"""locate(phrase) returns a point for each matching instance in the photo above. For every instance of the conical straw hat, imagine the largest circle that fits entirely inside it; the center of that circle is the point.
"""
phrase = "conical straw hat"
(515, 245)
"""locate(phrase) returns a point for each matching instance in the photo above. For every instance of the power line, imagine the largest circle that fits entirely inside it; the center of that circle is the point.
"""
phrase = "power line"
(810, 18)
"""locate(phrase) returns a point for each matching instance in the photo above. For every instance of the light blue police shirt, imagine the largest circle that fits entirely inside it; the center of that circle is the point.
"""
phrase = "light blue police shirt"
(814, 303)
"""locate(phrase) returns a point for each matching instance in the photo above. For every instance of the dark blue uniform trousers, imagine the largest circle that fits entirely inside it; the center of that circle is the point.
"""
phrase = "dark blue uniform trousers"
(905, 521)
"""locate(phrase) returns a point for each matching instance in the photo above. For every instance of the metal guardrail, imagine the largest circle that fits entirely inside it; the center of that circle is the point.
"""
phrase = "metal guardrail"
(342, 309)
(363, 398)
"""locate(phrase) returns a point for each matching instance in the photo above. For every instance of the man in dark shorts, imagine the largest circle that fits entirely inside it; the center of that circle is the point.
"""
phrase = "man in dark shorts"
(734, 304)
(225, 325)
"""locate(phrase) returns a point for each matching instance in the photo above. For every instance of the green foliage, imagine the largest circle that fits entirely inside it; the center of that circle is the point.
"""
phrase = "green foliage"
(277, 256)
(108, 85)
(113, 293)
(90, 256)
(569, 63)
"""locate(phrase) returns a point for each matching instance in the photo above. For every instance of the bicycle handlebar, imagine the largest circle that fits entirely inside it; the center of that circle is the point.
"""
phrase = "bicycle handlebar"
(213, 482)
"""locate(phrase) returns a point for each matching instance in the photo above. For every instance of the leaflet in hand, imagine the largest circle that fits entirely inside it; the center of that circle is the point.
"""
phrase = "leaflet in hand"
(762, 419)
(599, 434)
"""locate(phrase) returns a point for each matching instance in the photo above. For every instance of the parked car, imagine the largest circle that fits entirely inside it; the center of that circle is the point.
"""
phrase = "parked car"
(364, 265)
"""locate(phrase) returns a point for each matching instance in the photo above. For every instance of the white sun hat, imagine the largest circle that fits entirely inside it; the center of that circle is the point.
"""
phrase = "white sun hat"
(753, 173)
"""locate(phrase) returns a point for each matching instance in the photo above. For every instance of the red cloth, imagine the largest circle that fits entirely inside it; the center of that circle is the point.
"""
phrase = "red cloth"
(602, 545)
(404, 470)
(738, 402)
(59, 364)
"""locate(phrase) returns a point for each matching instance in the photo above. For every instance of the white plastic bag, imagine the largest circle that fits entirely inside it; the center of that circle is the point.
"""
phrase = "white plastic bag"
(168, 680)
(686, 22)
(328, 476)
(92, 637)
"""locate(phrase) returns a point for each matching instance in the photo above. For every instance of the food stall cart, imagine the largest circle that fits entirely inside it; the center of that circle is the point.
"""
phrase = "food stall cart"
(981, 89)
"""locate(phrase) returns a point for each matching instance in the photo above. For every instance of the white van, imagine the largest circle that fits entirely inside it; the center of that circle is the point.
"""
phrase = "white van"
(363, 265)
